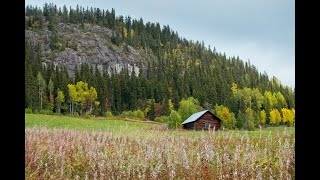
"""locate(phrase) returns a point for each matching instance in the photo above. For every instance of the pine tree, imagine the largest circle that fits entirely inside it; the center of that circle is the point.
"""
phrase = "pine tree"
(59, 99)
(151, 109)
(30, 88)
(41, 88)
(240, 120)
(166, 108)
(53, 42)
(51, 97)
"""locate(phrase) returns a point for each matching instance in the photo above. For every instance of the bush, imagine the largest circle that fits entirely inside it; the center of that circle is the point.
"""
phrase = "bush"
(138, 114)
(162, 119)
(174, 120)
(46, 112)
(250, 124)
(75, 114)
(62, 46)
(73, 44)
(108, 114)
(28, 111)
(87, 115)
(127, 114)
(158, 119)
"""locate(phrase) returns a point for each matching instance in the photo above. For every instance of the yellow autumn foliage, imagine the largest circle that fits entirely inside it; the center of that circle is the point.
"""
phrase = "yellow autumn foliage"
(288, 116)
(263, 116)
(275, 117)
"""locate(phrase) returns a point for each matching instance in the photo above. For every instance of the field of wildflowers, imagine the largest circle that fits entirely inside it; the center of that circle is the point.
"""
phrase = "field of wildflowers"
(143, 153)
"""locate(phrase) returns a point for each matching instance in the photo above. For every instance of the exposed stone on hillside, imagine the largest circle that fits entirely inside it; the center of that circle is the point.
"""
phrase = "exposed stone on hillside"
(93, 46)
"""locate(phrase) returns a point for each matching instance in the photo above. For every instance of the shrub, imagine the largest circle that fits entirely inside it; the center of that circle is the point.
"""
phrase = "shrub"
(162, 119)
(174, 120)
(158, 119)
(28, 111)
(46, 112)
(76, 114)
(73, 44)
(62, 46)
(87, 115)
(108, 114)
(250, 124)
(138, 114)
(35, 111)
(127, 114)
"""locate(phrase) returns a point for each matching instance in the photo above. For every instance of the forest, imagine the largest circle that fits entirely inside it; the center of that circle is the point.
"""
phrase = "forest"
(181, 76)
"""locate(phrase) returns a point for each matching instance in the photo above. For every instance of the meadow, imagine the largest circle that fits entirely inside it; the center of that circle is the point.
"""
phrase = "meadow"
(60, 147)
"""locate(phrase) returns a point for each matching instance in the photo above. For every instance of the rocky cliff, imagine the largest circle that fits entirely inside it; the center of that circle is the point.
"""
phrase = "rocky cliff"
(91, 44)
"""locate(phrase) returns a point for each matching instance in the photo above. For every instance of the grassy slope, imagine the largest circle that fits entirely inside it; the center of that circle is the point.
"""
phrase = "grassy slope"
(52, 121)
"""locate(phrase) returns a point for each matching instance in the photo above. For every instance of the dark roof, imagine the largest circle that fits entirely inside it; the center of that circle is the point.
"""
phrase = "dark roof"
(197, 115)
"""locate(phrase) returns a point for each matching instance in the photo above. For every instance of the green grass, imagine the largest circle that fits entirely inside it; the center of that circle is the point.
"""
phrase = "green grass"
(54, 121)
(120, 126)
(269, 130)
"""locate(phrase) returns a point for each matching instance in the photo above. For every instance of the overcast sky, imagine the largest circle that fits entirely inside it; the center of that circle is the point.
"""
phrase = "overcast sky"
(262, 31)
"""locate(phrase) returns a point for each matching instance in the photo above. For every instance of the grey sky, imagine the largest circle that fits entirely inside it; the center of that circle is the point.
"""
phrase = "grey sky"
(262, 31)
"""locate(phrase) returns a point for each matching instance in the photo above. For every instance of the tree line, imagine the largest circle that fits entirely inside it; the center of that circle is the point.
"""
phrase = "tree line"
(176, 69)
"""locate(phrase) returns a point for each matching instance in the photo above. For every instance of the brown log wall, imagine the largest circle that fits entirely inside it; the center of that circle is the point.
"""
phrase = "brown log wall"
(200, 123)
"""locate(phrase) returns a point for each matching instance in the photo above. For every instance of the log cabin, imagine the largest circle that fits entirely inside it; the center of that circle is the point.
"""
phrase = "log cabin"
(203, 120)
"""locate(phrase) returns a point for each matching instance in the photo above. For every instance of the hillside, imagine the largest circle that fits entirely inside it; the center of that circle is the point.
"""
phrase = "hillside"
(131, 64)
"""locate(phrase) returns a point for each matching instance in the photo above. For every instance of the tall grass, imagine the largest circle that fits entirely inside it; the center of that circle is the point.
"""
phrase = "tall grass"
(134, 154)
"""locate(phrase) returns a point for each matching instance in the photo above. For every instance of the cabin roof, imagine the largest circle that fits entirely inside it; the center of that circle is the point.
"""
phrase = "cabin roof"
(197, 115)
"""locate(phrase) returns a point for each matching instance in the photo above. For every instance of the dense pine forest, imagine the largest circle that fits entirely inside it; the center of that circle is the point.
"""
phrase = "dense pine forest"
(178, 78)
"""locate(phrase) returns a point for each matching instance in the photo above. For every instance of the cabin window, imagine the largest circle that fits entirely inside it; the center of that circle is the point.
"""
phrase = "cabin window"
(207, 125)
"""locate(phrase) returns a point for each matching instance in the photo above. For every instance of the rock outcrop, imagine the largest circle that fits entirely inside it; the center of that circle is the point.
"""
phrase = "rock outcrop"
(92, 45)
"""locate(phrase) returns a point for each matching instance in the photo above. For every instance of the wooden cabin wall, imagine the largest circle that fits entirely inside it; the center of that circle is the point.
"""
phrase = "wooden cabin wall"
(200, 123)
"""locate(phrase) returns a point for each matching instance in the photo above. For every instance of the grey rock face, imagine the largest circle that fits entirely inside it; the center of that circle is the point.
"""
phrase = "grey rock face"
(93, 46)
